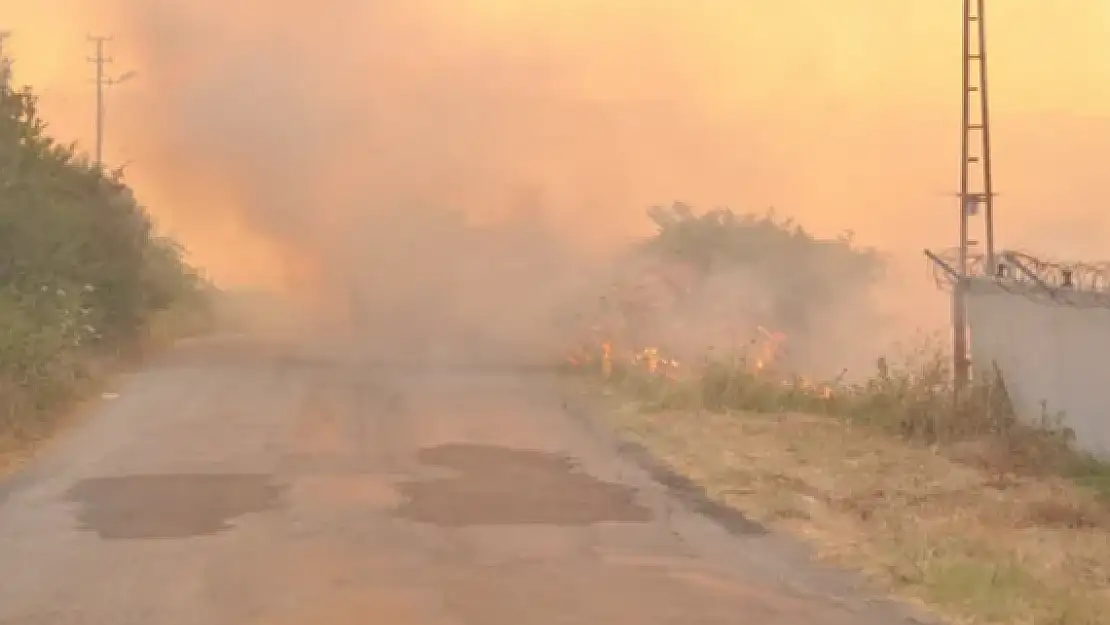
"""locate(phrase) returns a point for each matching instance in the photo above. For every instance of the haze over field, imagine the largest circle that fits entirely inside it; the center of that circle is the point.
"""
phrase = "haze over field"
(277, 134)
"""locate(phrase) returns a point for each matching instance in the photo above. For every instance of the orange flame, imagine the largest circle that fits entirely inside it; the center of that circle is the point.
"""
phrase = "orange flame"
(770, 347)
(606, 359)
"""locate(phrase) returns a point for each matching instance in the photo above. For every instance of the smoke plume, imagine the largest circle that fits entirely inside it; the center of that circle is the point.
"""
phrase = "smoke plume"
(356, 153)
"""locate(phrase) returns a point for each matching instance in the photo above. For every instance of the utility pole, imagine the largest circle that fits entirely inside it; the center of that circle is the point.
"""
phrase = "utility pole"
(976, 185)
(100, 61)
(102, 81)
(5, 62)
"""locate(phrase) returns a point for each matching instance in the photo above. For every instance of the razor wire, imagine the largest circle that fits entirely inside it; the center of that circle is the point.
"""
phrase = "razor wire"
(1060, 283)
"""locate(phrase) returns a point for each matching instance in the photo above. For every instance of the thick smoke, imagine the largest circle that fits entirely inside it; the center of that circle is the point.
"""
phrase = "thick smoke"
(323, 145)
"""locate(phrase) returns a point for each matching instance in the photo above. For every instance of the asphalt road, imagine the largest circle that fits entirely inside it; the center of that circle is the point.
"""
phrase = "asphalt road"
(231, 484)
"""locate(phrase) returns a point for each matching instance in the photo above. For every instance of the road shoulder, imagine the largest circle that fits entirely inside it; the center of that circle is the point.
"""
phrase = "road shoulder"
(761, 547)
(963, 542)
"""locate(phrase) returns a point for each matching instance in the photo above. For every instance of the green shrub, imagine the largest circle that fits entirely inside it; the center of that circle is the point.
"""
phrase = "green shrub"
(82, 273)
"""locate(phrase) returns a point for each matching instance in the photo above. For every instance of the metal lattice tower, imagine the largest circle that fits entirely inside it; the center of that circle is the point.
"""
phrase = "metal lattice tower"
(976, 187)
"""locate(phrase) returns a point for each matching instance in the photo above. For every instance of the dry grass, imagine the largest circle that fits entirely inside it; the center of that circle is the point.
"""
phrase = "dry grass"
(30, 421)
(976, 518)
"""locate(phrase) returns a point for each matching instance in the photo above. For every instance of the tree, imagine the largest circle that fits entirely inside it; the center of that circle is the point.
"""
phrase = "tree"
(744, 270)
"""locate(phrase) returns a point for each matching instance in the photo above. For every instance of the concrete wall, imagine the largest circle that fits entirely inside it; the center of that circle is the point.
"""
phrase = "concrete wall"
(1053, 356)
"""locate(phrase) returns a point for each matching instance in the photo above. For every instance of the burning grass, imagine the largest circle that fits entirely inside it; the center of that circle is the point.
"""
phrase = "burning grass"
(948, 501)
(952, 504)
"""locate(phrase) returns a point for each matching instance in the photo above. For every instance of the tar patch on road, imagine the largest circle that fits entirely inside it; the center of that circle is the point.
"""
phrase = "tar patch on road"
(502, 486)
(170, 506)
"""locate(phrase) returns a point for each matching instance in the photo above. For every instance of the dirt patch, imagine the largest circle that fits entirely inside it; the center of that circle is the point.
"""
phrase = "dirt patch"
(170, 506)
(502, 486)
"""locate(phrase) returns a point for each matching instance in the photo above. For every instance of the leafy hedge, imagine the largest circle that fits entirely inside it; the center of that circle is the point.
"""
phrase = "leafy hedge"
(82, 273)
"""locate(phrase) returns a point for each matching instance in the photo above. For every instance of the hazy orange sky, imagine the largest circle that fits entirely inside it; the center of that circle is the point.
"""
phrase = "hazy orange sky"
(275, 116)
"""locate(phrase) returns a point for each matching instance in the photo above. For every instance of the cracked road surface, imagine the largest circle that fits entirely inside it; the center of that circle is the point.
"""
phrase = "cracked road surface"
(234, 485)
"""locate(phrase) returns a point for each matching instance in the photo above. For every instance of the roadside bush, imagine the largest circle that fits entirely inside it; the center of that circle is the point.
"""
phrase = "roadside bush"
(82, 273)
